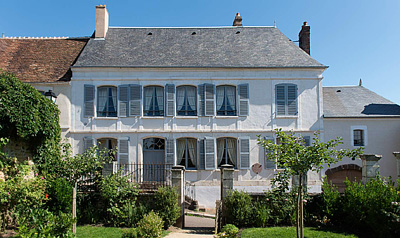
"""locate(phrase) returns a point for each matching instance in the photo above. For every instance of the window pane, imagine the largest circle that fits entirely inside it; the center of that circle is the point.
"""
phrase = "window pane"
(358, 136)
(153, 101)
(226, 100)
(107, 102)
(186, 101)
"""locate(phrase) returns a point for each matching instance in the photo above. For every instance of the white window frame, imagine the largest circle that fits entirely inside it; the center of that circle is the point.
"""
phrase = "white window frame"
(359, 127)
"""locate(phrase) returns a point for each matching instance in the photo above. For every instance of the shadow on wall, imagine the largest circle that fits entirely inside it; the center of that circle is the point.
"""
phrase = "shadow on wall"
(381, 109)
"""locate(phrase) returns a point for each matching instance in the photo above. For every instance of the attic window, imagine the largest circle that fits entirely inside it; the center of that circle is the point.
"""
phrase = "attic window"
(238, 32)
(149, 34)
(194, 33)
(338, 91)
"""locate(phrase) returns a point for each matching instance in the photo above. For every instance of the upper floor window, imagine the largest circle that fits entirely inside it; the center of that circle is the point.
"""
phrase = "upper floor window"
(358, 137)
(226, 100)
(286, 99)
(186, 101)
(107, 102)
(187, 152)
(153, 101)
(227, 151)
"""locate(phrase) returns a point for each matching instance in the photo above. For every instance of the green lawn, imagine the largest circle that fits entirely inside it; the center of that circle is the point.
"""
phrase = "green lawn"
(100, 232)
(291, 232)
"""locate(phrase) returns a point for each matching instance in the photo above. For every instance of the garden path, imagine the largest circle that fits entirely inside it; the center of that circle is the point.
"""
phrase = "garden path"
(195, 227)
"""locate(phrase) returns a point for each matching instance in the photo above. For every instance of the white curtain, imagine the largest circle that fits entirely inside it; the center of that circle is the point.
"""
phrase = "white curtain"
(102, 94)
(180, 98)
(181, 150)
(114, 100)
(231, 97)
(160, 98)
(220, 97)
(232, 151)
(192, 143)
(191, 96)
(148, 96)
(220, 150)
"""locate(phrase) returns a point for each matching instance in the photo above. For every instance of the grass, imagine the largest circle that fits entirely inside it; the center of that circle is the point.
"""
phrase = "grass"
(102, 232)
(291, 232)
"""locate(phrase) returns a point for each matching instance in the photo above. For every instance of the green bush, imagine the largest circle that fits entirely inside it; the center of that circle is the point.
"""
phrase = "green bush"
(90, 208)
(130, 233)
(281, 207)
(369, 209)
(119, 196)
(229, 231)
(166, 205)
(150, 226)
(239, 209)
(59, 195)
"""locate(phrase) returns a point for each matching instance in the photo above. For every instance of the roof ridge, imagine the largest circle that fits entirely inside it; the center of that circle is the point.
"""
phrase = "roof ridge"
(190, 27)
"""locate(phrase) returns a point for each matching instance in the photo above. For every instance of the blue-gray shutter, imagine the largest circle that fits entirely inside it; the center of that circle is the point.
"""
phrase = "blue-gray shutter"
(269, 164)
(243, 92)
(170, 100)
(169, 151)
(307, 140)
(135, 100)
(123, 150)
(280, 100)
(292, 100)
(209, 91)
(88, 95)
(201, 98)
(123, 100)
(88, 142)
(244, 152)
(209, 148)
(202, 154)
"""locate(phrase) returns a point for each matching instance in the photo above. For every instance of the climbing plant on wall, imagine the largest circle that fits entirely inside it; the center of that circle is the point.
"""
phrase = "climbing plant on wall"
(26, 115)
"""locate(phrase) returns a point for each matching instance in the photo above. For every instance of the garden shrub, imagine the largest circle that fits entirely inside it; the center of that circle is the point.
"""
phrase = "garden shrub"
(370, 209)
(166, 205)
(119, 196)
(281, 207)
(150, 226)
(90, 208)
(239, 209)
(59, 195)
(130, 233)
(229, 231)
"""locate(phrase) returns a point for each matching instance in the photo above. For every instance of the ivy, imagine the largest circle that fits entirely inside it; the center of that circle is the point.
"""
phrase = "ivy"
(27, 115)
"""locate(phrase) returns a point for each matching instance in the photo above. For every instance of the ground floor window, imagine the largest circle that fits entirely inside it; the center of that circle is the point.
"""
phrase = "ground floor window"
(187, 152)
(108, 144)
(227, 151)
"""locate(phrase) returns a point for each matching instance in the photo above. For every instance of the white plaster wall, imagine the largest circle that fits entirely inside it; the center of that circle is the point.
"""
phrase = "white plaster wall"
(63, 93)
(382, 136)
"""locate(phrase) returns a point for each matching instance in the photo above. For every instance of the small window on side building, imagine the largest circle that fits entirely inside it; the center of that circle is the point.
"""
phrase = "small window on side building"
(358, 137)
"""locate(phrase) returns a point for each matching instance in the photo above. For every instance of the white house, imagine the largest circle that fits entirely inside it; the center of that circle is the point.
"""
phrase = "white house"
(196, 97)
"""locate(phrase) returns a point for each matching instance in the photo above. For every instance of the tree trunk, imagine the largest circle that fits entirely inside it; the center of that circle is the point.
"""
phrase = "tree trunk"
(74, 208)
(301, 206)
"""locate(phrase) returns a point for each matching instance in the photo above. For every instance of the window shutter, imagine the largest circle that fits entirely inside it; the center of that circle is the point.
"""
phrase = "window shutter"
(135, 100)
(269, 164)
(123, 100)
(243, 92)
(88, 100)
(292, 100)
(209, 149)
(201, 98)
(202, 154)
(88, 142)
(280, 100)
(209, 91)
(307, 140)
(169, 151)
(123, 150)
(170, 100)
(244, 152)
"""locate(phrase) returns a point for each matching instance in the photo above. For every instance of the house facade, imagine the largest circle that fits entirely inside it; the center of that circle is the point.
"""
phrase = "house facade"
(196, 97)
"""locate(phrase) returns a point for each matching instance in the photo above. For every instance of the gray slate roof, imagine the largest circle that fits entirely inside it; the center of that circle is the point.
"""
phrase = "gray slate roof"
(356, 102)
(195, 47)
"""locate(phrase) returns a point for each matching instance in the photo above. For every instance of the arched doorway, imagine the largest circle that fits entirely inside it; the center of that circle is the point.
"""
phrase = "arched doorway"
(153, 159)
(339, 174)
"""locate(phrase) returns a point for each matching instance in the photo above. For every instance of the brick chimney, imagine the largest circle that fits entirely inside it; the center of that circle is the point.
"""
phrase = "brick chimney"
(101, 21)
(304, 38)
(238, 20)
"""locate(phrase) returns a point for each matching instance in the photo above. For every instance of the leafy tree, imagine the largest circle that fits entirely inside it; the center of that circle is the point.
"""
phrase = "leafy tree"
(297, 159)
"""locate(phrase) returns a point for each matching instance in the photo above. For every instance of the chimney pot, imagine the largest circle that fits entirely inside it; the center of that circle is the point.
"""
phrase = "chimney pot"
(304, 38)
(101, 21)
(238, 20)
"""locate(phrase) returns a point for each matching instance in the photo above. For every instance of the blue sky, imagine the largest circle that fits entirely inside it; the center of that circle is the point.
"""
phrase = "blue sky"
(355, 38)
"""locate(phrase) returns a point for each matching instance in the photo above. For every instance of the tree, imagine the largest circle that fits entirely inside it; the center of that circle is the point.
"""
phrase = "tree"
(297, 159)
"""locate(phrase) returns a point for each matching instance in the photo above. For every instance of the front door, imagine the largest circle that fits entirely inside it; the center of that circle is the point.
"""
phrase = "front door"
(154, 159)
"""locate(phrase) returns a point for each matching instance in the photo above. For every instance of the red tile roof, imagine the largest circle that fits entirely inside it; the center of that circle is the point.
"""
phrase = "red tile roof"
(40, 60)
